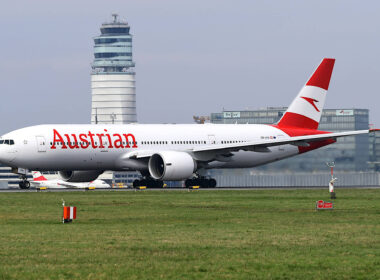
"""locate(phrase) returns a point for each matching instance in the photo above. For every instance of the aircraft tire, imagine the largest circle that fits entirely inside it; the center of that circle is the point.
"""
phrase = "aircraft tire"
(205, 183)
(212, 183)
(136, 183)
(21, 185)
(188, 183)
(24, 185)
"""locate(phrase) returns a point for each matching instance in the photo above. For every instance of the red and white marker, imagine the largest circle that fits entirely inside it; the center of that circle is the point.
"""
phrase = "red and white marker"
(69, 213)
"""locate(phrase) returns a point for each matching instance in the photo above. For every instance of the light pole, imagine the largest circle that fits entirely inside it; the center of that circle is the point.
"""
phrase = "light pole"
(113, 117)
(331, 183)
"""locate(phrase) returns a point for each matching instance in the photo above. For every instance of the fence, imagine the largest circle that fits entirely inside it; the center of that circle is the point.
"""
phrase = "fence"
(354, 179)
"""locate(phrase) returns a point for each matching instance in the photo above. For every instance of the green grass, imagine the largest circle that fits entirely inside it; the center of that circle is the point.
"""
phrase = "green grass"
(249, 234)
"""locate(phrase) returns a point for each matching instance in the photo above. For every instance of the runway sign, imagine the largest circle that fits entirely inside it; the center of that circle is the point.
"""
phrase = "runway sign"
(324, 205)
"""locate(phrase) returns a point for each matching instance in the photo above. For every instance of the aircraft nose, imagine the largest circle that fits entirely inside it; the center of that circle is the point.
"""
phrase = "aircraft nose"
(4, 155)
(7, 152)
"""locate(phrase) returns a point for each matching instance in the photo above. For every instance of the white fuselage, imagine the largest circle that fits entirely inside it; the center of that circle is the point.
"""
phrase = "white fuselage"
(109, 146)
(60, 184)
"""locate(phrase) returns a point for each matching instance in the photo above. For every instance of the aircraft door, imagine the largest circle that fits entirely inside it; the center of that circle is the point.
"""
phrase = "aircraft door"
(212, 139)
(41, 144)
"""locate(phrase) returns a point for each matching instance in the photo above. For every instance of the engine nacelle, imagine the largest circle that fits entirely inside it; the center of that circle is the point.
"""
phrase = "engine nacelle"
(171, 165)
(80, 176)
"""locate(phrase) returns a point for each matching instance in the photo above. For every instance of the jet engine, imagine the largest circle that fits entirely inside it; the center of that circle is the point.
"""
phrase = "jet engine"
(171, 165)
(80, 176)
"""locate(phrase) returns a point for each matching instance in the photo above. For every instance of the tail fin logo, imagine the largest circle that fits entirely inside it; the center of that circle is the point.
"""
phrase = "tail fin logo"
(312, 102)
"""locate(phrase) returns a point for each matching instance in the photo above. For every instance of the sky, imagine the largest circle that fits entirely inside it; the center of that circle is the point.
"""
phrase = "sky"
(192, 57)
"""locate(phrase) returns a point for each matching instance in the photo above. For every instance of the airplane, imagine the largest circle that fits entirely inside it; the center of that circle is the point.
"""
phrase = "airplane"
(40, 181)
(172, 152)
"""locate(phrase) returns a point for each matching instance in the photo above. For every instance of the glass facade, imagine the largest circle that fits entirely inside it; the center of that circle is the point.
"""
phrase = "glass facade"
(349, 153)
(113, 48)
(374, 151)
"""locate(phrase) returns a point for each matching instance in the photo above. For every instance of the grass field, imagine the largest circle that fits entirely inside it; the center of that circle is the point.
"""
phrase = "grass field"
(248, 234)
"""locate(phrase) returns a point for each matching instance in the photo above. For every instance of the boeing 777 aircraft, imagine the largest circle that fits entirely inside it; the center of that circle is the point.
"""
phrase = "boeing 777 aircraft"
(171, 151)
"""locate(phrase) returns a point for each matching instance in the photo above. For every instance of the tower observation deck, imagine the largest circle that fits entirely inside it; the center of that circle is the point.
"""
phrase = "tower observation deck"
(113, 77)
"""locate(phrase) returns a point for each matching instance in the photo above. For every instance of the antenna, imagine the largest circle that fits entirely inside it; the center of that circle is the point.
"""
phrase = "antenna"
(115, 17)
(113, 117)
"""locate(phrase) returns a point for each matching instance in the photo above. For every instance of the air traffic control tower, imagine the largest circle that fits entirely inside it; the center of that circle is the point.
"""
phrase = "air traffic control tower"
(113, 77)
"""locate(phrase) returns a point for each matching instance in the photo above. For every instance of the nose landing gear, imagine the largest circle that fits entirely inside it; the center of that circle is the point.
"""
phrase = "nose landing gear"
(24, 183)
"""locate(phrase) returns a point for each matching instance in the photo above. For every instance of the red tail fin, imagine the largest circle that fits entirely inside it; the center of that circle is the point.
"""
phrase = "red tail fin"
(37, 176)
(306, 109)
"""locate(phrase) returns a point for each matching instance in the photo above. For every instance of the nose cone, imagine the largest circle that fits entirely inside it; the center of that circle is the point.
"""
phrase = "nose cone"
(7, 151)
(6, 156)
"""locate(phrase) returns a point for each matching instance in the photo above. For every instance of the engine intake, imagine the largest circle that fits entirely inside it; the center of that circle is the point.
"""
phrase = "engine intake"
(80, 176)
(171, 165)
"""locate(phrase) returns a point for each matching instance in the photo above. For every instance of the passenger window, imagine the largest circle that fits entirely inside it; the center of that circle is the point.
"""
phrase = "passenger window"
(1, 142)
(6, 142)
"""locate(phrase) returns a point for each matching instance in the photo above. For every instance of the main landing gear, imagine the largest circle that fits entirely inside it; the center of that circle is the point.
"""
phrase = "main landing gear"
(202, 182)
(149, 183)
(24, 183)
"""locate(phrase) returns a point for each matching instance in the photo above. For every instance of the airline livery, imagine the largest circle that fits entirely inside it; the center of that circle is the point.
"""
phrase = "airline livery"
(41, 181)
(171, 151)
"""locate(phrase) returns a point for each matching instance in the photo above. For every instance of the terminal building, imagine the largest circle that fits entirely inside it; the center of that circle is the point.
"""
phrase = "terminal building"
(349, 153)
(113, 77)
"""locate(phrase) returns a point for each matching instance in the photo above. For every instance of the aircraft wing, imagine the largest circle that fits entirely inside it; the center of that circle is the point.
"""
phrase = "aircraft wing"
(141, 154)
(67, 185)
(260, 145)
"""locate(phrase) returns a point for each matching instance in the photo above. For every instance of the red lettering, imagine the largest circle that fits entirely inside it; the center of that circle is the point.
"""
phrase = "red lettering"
(58, 138)
(92, 139)
(83, 138)
(101, 146)
(119, 140)
(83, 142)
(109, 140)
(71, 146)
(133, 140)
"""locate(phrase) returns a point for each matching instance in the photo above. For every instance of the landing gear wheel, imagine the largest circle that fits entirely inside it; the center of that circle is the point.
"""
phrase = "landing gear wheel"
(24, 185)
(136, 183)
(188, 183)
(149, 183)
(201, 182)
(212, 183)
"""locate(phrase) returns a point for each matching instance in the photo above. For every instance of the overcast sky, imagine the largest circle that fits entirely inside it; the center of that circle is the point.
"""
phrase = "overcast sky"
(192, 57)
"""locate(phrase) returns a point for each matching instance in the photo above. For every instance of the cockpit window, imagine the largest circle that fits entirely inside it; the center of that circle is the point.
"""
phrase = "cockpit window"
(7, 142)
